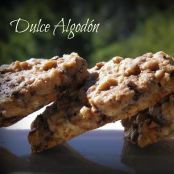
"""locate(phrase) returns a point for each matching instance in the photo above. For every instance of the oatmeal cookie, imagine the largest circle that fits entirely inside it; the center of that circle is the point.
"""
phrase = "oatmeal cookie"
(27, 86)
(126, 86)
(64, 119)
(151, 125)
(114, 90)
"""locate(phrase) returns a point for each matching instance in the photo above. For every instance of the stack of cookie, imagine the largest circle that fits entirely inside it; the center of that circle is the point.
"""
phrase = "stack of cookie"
(137, 91)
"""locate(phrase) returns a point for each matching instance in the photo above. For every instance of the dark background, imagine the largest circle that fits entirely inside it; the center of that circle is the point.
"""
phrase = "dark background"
(127, 28)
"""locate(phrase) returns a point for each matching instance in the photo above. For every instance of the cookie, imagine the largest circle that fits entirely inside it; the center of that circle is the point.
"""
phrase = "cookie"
(126, 86)
(27, 86)
(114, 90)
(151, 125)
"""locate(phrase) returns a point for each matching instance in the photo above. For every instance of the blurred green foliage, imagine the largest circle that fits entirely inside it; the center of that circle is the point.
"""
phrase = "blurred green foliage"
(127, 28)
(155, 34)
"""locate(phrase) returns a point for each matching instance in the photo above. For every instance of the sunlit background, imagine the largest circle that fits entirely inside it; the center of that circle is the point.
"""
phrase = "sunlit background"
(127, 28)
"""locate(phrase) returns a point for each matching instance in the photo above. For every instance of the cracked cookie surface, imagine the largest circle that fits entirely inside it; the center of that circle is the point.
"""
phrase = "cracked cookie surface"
(65, 118)
(27, 86)
(114, 90)
(127, 86)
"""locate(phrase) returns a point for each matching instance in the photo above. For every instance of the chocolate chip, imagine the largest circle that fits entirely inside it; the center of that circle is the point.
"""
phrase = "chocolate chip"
(60, 88)
(159, 119)
(159, 84)
(3, 72)
(137, 93)
(172, 74)
(134, 125)
(32, 93)
(148, 121)
(16, 94)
